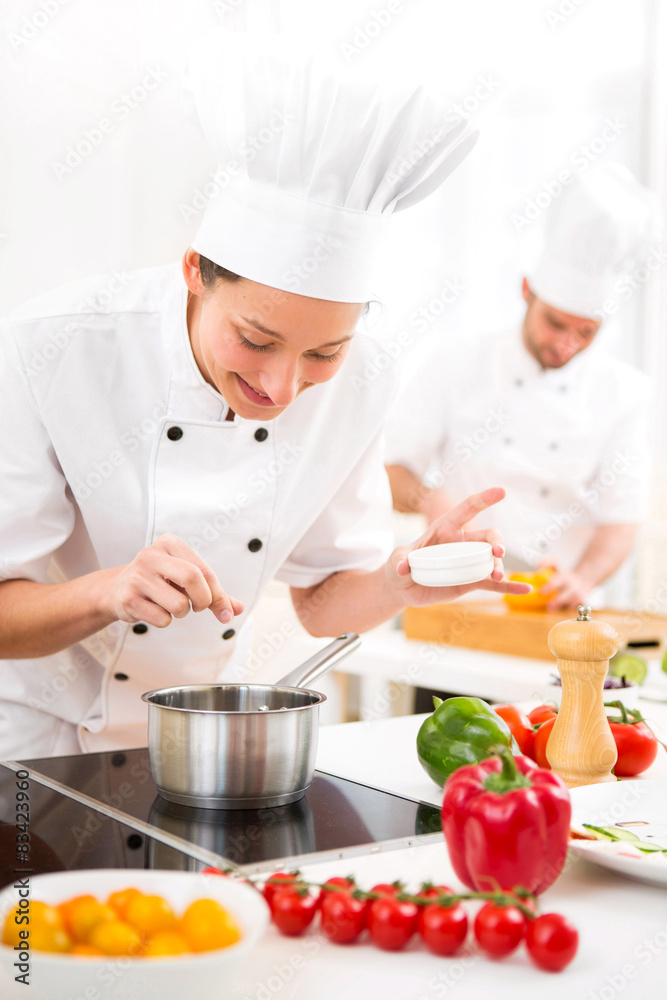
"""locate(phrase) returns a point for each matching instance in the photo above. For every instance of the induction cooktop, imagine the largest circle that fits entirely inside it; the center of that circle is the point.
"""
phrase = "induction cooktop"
(94, 795)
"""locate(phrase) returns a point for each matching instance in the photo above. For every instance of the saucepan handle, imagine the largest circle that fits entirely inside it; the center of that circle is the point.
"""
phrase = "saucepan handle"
(304, 675)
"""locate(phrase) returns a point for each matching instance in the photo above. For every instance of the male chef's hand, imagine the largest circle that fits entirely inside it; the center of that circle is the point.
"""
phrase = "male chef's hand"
(451, 528)
(167, 579)
(567, 590)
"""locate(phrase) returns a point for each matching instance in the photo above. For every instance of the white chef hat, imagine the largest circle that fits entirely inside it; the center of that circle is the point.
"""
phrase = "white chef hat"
(316, 158)
(596, 232)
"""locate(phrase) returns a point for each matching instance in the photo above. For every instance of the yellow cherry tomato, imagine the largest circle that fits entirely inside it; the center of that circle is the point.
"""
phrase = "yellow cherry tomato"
(206, 925)
(40, 915)
(120, 900)
(47, 930)
(150, 914)
(166, 943)
(83, 913)
(70, 906)
(115, 937)
(85, 949)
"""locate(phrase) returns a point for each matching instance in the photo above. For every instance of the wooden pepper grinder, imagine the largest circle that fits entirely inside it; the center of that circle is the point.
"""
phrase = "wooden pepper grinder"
(581, 748)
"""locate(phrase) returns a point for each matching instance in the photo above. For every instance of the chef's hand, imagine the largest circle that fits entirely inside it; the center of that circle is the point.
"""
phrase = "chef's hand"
(168, 579)
(450, 528)
(566, 590)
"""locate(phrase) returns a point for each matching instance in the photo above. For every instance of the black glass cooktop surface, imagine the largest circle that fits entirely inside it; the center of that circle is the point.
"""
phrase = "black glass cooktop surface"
(336, 816)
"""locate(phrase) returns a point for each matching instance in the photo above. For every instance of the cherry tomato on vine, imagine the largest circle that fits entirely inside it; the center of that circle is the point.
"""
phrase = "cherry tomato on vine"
(499, 930)
(392, 922)
(334, 885)
(277, 882)
(293, 910)
(430, 891)
(343, 917)
(541, 739)
(542, 714)
(520, 726)
(551, 941)
(387, 889)
(443, 928)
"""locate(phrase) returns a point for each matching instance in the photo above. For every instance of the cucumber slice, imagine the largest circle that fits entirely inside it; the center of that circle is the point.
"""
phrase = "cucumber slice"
(629, 665)
(611, 832)
(615, 833)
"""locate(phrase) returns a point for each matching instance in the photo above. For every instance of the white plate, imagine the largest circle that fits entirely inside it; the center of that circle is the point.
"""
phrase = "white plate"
(623, 802)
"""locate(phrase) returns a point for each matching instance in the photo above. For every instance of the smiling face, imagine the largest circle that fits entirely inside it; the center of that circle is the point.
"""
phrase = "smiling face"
(554, 337)
(261, 347)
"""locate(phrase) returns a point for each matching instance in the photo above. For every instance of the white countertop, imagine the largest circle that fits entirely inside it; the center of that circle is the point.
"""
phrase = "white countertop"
(622, 923)
(382, 753)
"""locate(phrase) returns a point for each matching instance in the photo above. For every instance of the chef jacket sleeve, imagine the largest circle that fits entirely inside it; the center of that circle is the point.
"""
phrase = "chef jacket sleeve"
(354, 531)
(416, 429)
(36, 512)
(619, 491)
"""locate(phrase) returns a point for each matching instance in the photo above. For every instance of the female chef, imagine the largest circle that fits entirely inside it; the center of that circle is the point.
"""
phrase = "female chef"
(172, 450)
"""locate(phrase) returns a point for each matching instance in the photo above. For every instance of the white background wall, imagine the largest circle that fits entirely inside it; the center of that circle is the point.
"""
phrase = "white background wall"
(540, 79)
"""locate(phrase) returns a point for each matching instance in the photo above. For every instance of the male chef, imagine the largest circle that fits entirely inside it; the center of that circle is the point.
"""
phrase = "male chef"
(542, 409)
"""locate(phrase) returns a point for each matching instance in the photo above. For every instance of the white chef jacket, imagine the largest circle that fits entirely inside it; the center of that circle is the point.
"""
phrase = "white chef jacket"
(112, 438)
(569, 444)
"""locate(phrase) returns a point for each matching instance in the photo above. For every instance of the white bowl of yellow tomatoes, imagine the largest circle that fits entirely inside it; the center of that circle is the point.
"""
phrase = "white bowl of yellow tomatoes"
(116, 933)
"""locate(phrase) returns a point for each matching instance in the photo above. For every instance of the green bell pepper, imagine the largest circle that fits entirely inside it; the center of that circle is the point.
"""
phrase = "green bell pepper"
(460, 731)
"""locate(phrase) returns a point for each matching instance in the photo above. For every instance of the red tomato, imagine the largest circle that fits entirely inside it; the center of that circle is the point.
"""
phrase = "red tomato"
(275, 883)
(341, 883)
(443, 928)
(343, 917)
(542, 714)
(499, 929)
(551, 941)
(541, 739)
(520, 726)
(430, 891)
(636, 745)
(293, 910)
(392, 923)
(385, 889)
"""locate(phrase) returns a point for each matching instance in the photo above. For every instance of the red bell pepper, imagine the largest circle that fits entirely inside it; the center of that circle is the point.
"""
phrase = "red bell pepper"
(506, 823)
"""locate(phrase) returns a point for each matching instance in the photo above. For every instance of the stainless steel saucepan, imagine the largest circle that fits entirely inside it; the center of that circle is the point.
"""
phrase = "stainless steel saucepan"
(239, 746)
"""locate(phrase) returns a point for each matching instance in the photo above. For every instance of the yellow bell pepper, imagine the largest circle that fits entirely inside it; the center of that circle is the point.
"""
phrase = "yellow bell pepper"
(535, 601)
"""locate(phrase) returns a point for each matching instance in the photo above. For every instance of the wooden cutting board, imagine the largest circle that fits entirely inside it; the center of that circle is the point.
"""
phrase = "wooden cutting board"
(493, 627)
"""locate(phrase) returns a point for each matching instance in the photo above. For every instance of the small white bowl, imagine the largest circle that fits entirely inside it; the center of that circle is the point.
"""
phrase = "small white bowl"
(452, 564)
(204, 975)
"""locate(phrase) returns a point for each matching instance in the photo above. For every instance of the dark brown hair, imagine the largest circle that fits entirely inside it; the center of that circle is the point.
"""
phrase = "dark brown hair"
(211, 272)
